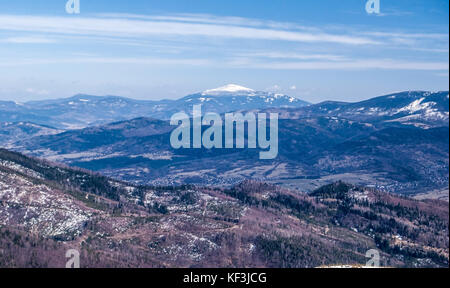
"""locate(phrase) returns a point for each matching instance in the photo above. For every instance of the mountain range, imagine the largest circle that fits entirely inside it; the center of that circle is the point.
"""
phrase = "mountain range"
(81, 111)
(396, 143)
(329, 197)
(416, 108)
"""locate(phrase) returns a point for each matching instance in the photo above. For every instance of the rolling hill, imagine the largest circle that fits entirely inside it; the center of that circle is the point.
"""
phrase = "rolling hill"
(46, 209)
(318, 144)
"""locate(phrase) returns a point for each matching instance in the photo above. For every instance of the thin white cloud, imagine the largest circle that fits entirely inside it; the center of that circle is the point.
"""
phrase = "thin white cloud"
(369, 64)
(413, 41)
(409, 35)
(298, 56)
(212, 19)
(144, 28)
(105, 60)
(130, 29)
(247, 63)
(379, 37)
(28, 40)
(432, 50)
(395, 13)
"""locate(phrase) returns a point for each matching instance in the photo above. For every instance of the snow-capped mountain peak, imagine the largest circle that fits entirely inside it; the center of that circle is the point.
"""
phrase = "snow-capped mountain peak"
(230, 88)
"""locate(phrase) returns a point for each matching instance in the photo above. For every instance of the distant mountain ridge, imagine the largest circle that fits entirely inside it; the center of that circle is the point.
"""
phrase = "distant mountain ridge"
(81, 111)
(417, 108)
(367, 142)
(398, 143)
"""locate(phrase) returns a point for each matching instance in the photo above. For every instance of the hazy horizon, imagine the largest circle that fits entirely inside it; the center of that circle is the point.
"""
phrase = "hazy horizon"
(196, 92)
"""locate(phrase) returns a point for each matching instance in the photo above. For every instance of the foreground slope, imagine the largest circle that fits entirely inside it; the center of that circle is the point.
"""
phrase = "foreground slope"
(46, 209)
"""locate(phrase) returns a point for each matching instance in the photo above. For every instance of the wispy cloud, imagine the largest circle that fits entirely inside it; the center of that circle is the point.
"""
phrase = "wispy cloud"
(126, 27)
(394, 13)
(212, 19)
(162, 31)
(441, 36)
(298, 56)
(132, 29)
(368, 64)
(247, 63)
(28, 40)
(106, 60)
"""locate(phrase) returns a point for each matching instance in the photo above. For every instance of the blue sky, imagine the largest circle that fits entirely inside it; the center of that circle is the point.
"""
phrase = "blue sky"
(315, 50)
